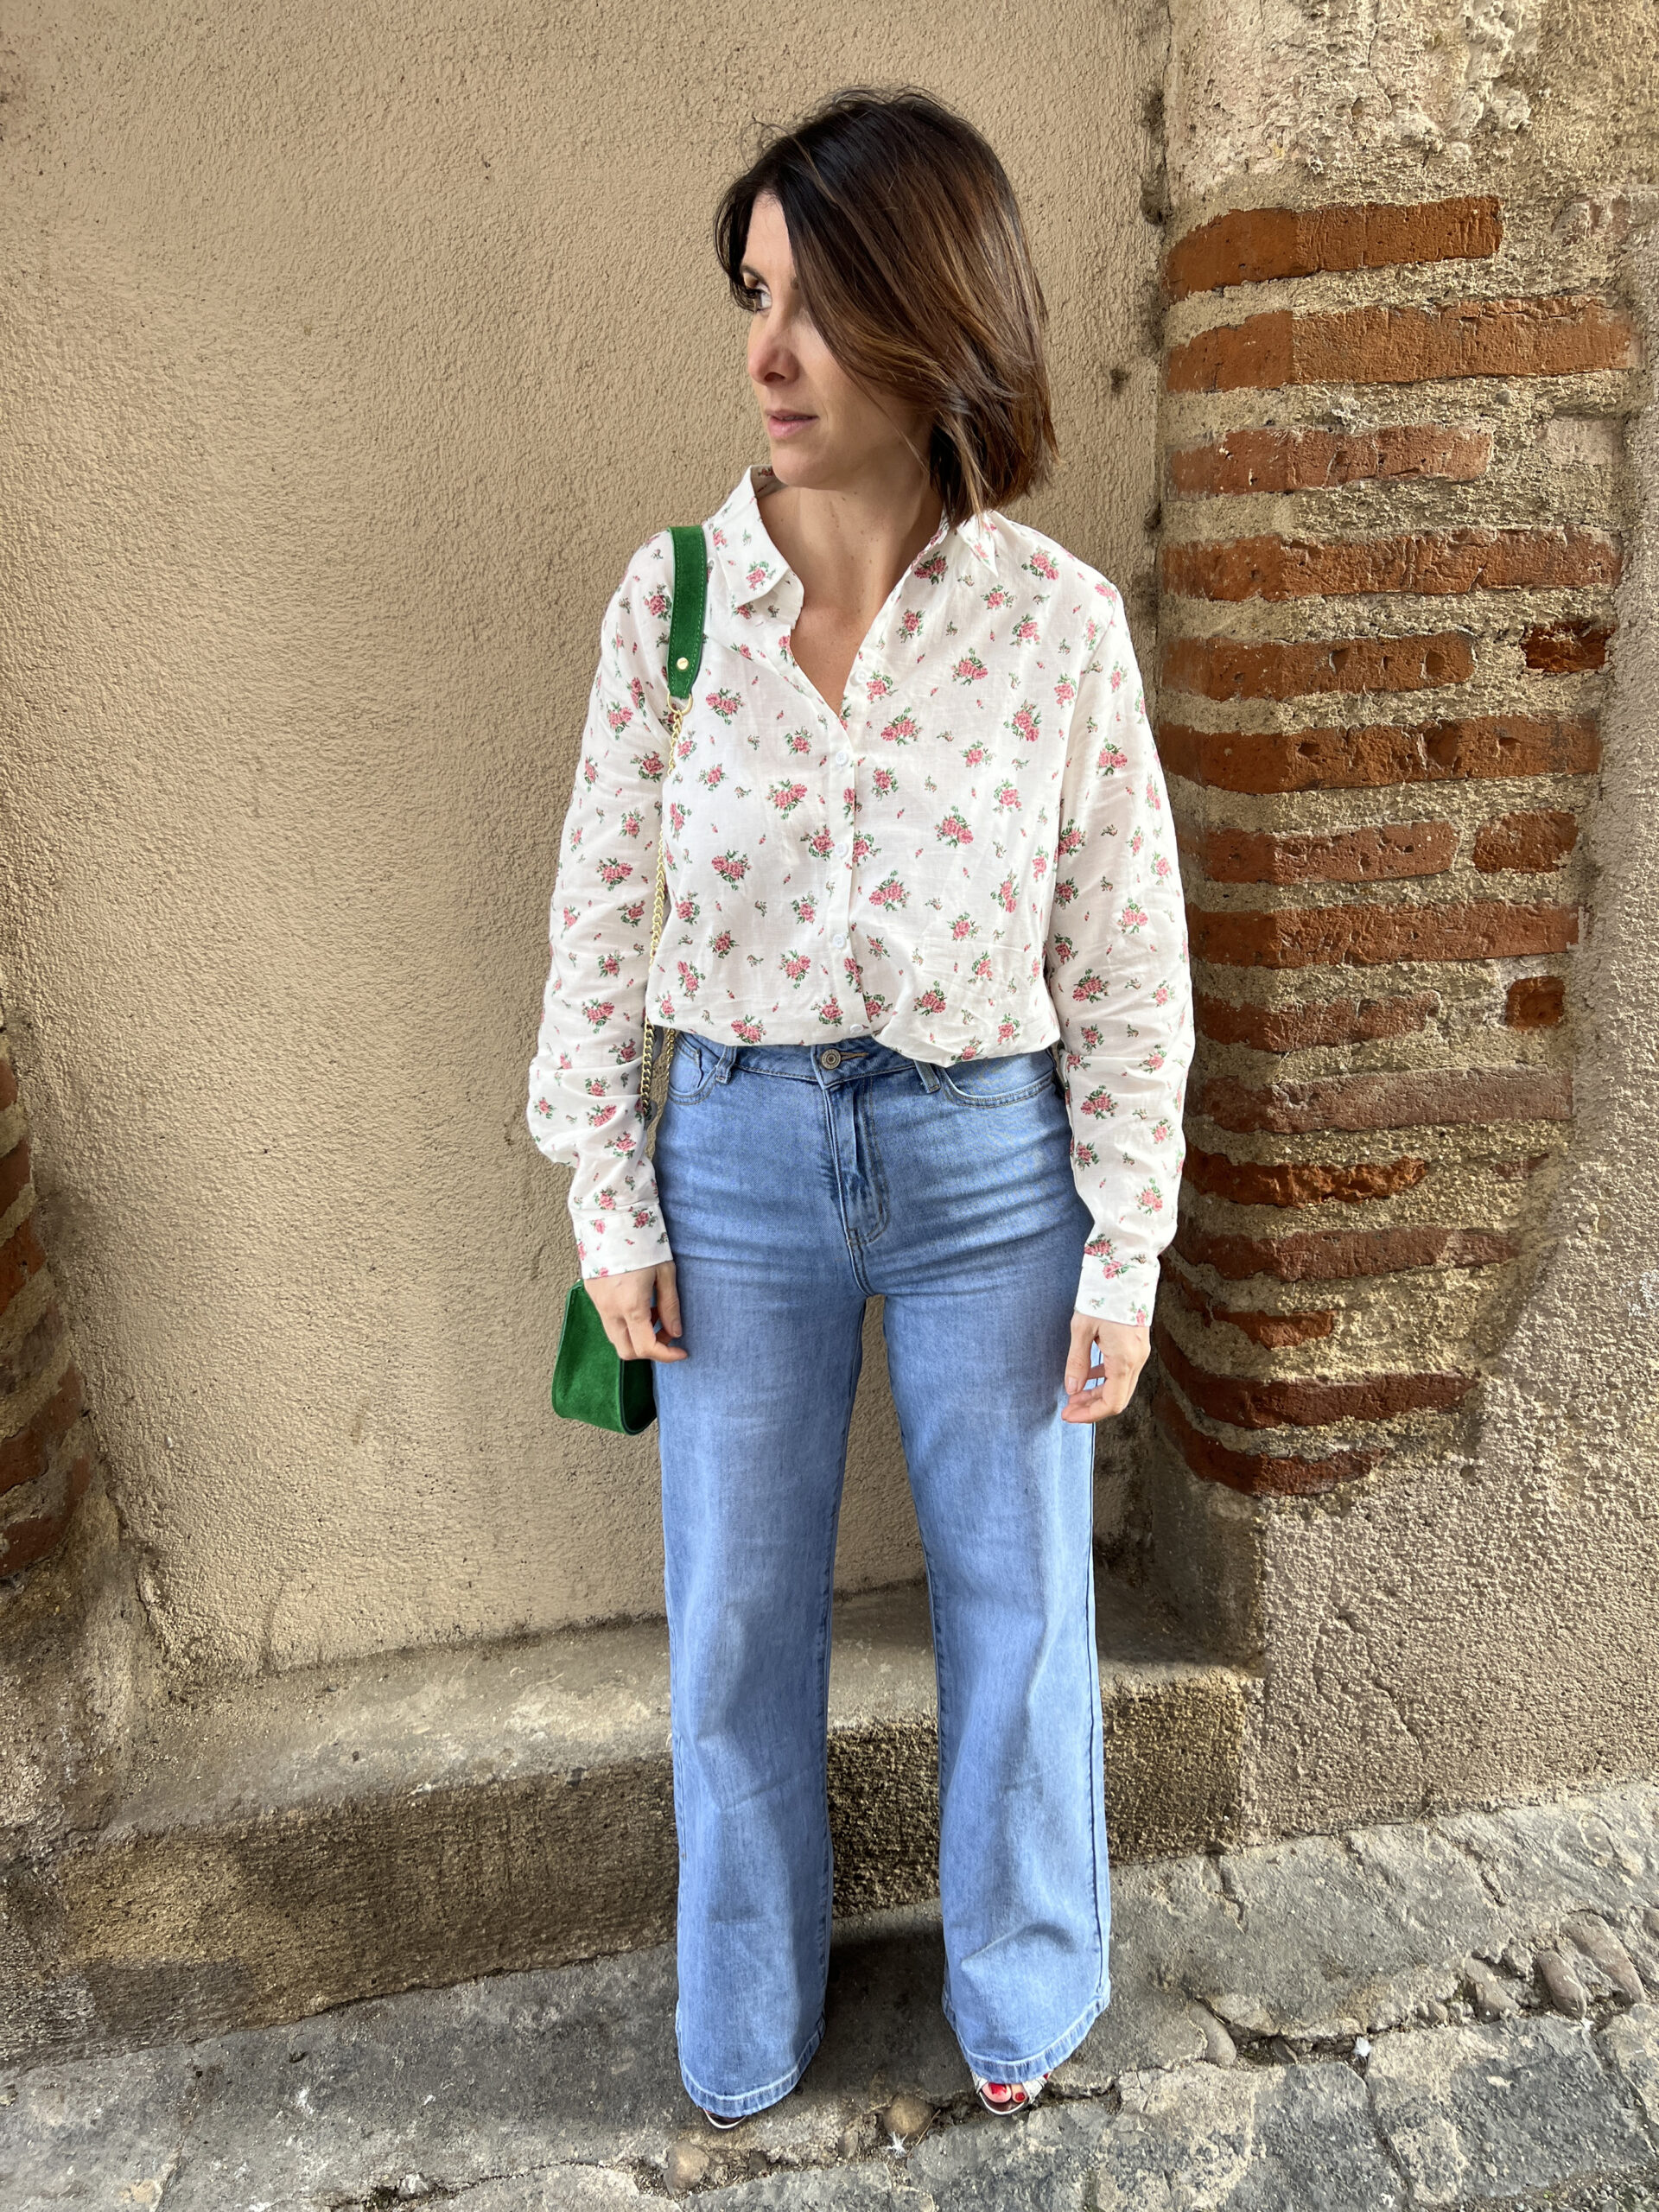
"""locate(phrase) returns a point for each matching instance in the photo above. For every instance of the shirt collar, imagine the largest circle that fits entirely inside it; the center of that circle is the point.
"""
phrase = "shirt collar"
(751, 564)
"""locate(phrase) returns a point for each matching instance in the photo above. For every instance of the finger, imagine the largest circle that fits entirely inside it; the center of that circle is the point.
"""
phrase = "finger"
(642, 1333)
(668, 1300)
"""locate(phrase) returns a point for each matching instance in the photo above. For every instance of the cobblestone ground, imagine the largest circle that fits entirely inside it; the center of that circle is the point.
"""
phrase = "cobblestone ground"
(1457, 2013)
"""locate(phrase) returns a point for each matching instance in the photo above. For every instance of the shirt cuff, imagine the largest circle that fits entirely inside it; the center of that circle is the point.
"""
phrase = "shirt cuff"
(610, 1240)
(1112, 1292)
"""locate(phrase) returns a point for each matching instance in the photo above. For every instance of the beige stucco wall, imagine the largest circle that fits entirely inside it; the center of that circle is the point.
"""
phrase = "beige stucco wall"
(348, 353)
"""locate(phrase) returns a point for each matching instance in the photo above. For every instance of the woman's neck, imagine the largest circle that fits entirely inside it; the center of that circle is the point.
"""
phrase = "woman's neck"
(849, 547)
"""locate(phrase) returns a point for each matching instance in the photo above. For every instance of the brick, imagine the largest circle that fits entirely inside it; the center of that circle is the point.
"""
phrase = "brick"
(1365, 756)
(23, 1457)
(1325, 1021)
(1257, 1474)
(1305, 1401)
(1331, 1255)
(1528, 844)
(22, 1361)
(1240, 668)
(1257, 245)
(7, 1081)
(14, 1175)
(1535, 1002)
(29, 1536)
(1431, 1098)
(1518, 1171)
(20, 1257)
(1277, 1331)
(1383, 853)
(1257, 460)
(1427, 562)
(1308, 936)
(1560, 336)
(1566, 648)
(1303, 1183)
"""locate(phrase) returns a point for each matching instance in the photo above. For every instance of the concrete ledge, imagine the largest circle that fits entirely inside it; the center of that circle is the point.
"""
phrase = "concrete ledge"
(290, 1844)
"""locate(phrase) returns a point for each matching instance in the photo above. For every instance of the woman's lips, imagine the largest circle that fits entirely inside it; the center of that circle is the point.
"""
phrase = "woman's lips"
(784, 426)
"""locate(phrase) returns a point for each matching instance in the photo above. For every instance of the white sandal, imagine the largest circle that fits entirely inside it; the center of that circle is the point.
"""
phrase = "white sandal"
(1016, 2096)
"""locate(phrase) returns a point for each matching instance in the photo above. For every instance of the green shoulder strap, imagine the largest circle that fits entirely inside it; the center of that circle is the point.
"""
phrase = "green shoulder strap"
(685, 627)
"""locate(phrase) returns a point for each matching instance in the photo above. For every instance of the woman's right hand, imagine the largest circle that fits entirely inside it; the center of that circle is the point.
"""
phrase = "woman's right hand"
(625, 1303)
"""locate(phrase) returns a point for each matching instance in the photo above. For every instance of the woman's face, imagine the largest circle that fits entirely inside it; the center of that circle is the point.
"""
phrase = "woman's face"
(827, 432)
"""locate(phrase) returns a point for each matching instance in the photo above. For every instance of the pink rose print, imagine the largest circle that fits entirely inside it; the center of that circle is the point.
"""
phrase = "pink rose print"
(821, 844)
(1151, 1200)
(1111, 759)
(1007, 795)
(902, 730)
(981, 970)
(889, 893)
(1161, 868)
(1154, 1061)
(1161, 1130)
(910, 621)
(688, 908)
(1006, 1031)
(962, 926)
(614, 872)
(931, 571)
(1153, 800)
(1063, 951)
(733, 867)
(796, 965)
(1092, 1036)
(756, 575)
(598, 1011)
(830, 1010)
(1007, 896)
(970, 670)
(1160, 996)
(786, 797)
(717, 536)
(1088, 987)
(711, 779)
(1026, 724)
(619, 717)
(1025, 630)
(932, 1000)
(609, 964)
(1120, 676)
(1065, 692)
(598, 1116)
(676, 816)
(650, 765)
(595, 1086)
(878, 947)
(657, 601)
(1134, 917)
(691, 979)
(643, 1217)
(626, 1050)
(1100, 1103)
(1137, 841)
(954, 829)
(748, 1028)
(1042, 564)
(723, 942)
(974, 755)
(805, 909)
(798, 741)
(1084, 1155)
(878, 687)
(725, 703)
(1071, 840)
(997, 596)
(589, 772)
(630, 822)
(634, 911)
(885, 781)
(863, 847)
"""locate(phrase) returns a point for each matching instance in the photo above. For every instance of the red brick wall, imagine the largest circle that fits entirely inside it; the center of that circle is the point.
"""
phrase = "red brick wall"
(46, 1455)
(1385, 622)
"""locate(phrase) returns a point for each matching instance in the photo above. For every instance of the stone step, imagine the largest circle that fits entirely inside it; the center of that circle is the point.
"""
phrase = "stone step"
(425, 1817)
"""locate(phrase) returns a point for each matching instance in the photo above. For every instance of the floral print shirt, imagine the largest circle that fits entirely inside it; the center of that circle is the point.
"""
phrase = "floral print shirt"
(974, 856)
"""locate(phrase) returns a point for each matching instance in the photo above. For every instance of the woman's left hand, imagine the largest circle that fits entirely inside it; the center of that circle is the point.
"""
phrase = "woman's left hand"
(1123, 1350)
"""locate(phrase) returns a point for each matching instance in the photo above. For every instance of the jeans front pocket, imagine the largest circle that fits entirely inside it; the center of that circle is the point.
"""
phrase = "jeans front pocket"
(692, 1070)
(1004, 1081)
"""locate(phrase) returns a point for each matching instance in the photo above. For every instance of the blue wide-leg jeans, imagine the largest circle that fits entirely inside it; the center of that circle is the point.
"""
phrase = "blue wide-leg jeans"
(796, 1181)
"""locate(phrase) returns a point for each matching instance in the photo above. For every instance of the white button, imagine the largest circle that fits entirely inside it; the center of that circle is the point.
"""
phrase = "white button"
(842, 849)
(840, 937)
(842, 758)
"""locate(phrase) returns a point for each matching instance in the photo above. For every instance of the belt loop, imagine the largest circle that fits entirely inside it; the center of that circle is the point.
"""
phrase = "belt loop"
(727, 1054)
(929, 1074)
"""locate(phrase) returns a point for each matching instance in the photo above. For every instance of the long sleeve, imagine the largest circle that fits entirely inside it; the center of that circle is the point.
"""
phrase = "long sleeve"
(584, 1081)
(1115, 960)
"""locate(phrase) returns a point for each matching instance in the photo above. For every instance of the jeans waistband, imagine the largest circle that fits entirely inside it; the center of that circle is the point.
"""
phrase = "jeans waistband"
(841, 1060)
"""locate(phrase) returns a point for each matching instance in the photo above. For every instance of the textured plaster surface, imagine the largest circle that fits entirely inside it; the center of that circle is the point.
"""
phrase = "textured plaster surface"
(348, 353)
(1393, 2017)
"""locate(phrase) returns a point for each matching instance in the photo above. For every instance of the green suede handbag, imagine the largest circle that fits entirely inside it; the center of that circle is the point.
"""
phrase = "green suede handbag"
(591, 1381)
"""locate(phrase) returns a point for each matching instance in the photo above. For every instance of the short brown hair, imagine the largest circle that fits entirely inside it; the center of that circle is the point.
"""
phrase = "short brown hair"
(911, 258)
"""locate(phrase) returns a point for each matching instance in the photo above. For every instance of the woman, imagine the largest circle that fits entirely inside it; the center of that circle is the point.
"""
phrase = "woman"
(925, 952)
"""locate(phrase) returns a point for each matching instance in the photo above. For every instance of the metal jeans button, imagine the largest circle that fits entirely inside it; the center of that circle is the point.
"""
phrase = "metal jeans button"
(829, 1058)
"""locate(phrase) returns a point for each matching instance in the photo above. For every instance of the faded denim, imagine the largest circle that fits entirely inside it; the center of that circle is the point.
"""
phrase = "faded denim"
(793, 1191)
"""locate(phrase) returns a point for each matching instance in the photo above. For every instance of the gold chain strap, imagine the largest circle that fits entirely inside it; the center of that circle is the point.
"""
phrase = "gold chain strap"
(648, 1060)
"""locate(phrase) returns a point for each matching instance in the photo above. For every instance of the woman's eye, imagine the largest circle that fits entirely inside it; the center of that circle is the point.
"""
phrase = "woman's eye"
(759, 297)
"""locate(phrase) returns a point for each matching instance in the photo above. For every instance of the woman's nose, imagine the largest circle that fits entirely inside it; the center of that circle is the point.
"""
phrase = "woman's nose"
(769, 354)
